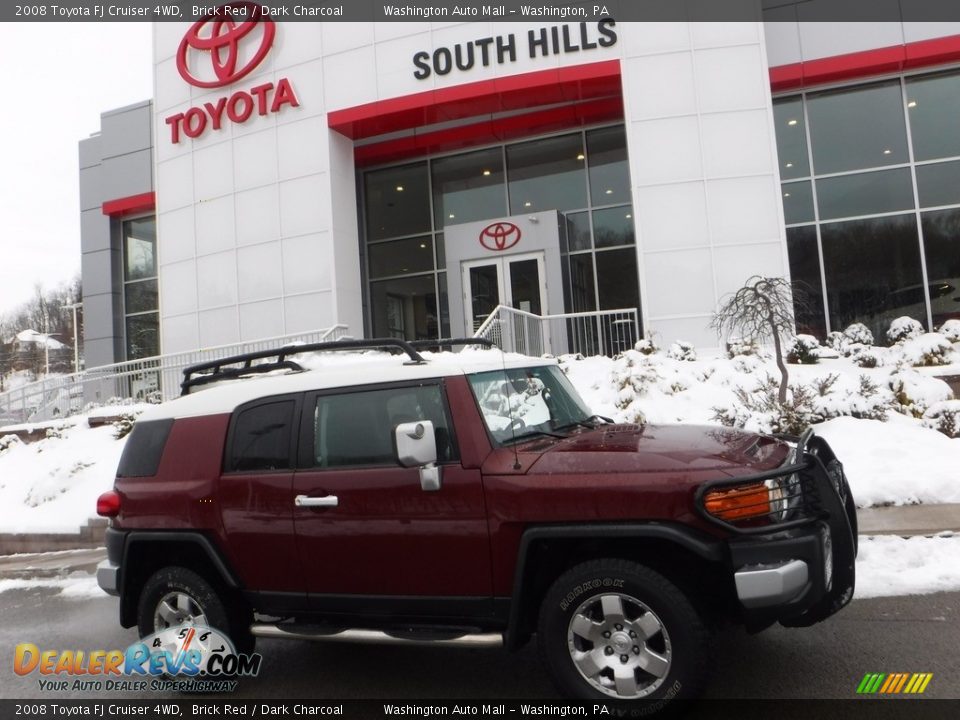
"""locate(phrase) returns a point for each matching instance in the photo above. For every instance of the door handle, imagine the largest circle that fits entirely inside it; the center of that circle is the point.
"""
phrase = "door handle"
(307, 501)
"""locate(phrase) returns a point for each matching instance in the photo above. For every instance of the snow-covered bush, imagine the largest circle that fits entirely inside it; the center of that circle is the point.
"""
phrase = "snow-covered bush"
(944, 417)
(739, 348)
(843, 396)
(8, 441)
(682, 350)
(867, 358)
(927, 350)
(836, 340)
(950, 330)
(646, 346)
(914, 393)
(803, 350)
(54, 433)
(902, 329)
(858, 333)
(760, 410)
(124, 424)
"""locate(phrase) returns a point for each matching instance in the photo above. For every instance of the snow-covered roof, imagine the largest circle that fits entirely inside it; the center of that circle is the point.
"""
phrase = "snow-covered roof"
(334, 370)
(36, 338)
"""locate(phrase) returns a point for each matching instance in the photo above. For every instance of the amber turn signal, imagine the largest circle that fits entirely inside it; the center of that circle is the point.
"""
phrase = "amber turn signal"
(738, 503)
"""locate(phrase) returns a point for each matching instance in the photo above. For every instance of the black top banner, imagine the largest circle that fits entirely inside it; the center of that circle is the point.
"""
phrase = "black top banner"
(506, 10)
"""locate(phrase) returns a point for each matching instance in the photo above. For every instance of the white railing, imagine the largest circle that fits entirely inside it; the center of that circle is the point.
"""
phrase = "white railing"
(601, 332)
(150, 379)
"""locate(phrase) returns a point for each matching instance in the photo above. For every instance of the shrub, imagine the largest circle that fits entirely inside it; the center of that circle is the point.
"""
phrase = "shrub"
(927, 350)
(944, 417)
(866, 359)
(646, 346)
(803, 350)
(858, 333)
(902, 329)
(951, 330)
(760, 410)
(740, 348)
(914, 393)
(123, 425)
(836, 340)
(9, 441)
(682, 350)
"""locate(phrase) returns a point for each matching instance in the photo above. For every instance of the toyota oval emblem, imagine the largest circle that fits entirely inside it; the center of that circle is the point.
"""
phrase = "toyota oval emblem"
(500, 236)
(219, 37)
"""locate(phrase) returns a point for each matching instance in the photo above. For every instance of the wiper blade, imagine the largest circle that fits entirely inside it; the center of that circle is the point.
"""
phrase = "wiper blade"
(585, 423)
(535, 433)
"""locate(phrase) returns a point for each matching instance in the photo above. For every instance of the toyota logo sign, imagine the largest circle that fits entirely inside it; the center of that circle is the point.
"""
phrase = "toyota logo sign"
(500, 236)
(220, 37)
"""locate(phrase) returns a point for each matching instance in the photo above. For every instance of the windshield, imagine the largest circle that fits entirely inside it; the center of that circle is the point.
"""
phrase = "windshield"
(522, 402)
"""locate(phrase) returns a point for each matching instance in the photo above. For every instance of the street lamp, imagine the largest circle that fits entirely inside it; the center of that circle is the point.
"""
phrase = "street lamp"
(76, 346)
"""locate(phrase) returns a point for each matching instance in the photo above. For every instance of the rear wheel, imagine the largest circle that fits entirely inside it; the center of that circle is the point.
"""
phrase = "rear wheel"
(616, 630)
(176, 596)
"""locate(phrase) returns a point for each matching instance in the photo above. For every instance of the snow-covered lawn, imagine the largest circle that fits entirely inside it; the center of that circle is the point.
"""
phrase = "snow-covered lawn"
(52, 485)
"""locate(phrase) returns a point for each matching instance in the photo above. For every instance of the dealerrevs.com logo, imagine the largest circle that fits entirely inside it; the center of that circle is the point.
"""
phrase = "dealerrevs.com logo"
(183, 658)
(218, 50)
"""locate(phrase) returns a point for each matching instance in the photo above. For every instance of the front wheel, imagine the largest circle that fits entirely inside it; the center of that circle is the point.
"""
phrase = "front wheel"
(616, 630)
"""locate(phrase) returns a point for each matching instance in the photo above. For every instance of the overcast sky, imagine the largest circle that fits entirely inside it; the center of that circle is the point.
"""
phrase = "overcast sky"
(57, 79)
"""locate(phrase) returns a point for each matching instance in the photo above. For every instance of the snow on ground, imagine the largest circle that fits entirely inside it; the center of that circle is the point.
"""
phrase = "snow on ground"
(78, 586)
(51, 486)
(907, 566)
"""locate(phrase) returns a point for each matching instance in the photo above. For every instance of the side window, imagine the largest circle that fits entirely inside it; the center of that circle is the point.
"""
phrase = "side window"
(357, 428)
(261, 438)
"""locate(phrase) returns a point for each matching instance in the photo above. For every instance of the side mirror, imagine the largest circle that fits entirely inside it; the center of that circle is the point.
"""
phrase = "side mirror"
(416, 446)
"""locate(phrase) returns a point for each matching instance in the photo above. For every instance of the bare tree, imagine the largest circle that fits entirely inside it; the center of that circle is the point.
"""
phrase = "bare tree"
(762, 308)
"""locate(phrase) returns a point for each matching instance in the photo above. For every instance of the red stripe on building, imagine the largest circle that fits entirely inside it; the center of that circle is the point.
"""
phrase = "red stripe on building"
(859, 65)
(130, 205)
(577, 88)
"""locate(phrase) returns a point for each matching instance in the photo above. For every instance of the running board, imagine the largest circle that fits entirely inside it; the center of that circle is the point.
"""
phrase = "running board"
(376, 637)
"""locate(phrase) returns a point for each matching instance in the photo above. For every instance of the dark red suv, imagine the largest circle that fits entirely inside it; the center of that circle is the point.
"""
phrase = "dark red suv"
(467, 498)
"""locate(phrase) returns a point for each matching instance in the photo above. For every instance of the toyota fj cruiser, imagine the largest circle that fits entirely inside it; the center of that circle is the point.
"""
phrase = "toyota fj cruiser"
(467, 498)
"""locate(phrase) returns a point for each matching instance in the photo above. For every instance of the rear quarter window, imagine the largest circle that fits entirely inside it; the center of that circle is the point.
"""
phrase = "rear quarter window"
(144, 448)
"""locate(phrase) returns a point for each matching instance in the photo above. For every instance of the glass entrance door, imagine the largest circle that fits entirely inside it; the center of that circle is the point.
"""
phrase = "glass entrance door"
(515, 281)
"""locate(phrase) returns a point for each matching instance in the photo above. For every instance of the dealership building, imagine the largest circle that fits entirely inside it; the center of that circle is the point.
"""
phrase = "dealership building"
(404, 178)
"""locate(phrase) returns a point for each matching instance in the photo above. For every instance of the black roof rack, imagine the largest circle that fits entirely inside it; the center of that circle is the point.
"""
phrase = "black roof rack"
(450, 342)
(216, 370)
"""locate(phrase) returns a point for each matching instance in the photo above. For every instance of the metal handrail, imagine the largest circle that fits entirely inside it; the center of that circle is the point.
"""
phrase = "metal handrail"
(153, 378)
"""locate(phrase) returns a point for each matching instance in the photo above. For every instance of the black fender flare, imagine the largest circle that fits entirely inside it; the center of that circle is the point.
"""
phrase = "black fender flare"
(699, 543)
(201, 542)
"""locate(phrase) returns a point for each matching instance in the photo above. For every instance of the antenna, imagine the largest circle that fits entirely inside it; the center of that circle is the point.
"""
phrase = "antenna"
(506, 395)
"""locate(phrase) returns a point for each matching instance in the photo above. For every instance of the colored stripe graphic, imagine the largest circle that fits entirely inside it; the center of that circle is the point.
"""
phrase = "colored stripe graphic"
(894, 683)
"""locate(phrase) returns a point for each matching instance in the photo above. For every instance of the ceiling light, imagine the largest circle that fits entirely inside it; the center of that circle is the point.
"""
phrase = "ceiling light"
(423, 246)
(486, 172)
(451, 216)
(786, 194)
(887, 151)
(527, 203)
(912, 104)
(580, 156)
(789, 164)
(609, 191)
(791, 122)
(628, 216)
(399, 188)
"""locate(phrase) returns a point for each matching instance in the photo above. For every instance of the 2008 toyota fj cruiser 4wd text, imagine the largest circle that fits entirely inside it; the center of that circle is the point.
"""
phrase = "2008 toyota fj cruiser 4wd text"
(468, 499)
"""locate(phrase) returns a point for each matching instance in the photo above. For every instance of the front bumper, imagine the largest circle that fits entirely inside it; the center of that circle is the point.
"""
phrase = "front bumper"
(802, 570)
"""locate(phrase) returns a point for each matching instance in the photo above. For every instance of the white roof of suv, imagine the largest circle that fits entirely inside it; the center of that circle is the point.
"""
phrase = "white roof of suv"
(335, 370)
